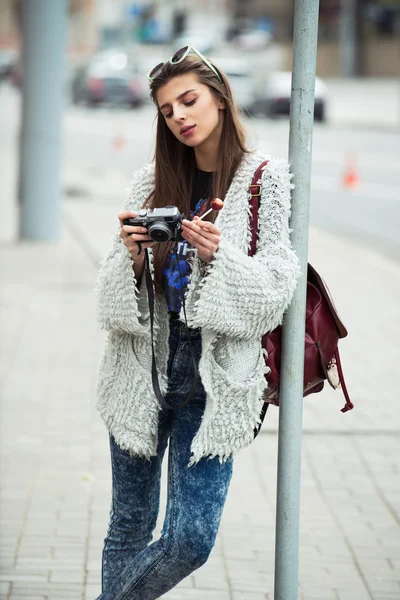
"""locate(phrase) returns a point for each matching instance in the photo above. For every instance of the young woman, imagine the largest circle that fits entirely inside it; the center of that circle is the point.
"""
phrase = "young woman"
(231, 300)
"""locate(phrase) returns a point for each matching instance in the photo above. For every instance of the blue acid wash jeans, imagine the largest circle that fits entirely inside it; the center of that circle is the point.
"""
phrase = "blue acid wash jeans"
(133, 569)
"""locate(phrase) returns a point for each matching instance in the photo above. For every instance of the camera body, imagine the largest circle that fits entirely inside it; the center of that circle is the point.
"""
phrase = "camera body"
(163, 224)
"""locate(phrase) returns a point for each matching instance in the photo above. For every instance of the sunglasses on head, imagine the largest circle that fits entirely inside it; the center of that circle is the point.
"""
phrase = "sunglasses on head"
(177, 58)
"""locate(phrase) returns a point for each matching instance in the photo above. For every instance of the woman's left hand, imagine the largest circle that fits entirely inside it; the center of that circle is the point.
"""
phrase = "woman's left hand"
(203, 235)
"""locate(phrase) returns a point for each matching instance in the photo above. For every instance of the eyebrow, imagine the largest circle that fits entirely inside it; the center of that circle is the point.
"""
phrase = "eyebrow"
(178, 98)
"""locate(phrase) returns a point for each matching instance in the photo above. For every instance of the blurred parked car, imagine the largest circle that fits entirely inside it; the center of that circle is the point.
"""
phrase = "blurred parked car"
(100, 83)
(204, 41)
(240, 78)
(253, 39)
(115, 58)
(273, 98)
(15, 75)
(7, 61)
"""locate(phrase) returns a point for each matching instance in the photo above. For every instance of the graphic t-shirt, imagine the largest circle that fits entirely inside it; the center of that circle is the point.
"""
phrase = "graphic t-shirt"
(176, 279)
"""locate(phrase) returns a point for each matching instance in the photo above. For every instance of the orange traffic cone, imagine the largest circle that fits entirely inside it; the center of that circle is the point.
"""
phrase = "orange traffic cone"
(119, 142)
(350, 177)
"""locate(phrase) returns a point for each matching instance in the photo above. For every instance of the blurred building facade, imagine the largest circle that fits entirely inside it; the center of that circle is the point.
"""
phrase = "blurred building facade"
(8, 25)
(375, 28)
(82, 31)
(375, 32)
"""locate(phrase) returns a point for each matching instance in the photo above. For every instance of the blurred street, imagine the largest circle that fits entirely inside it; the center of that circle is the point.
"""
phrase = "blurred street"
(104, 145)
(54, 449)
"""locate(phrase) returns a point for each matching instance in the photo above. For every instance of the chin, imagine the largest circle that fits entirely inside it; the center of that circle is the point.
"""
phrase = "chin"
(192, 143)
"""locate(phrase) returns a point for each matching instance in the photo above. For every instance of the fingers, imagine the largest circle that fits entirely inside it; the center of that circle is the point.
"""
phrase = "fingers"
(204, 228)
(202, 239)
(206, 234)
(130, 241)
(197, 239)
(198, 225)
(205, 248)
(127, 215)
(136, 249)
(131, 235)
(126, 236)
(130, 229)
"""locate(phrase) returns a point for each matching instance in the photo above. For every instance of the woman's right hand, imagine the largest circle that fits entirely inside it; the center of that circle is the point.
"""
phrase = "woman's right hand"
(131, 235)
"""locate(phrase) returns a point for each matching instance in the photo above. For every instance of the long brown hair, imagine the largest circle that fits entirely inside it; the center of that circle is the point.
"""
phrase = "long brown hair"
(175, 162)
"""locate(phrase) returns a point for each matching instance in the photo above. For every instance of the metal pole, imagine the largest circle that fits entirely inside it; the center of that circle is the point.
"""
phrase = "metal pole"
(292, 366)
(44, 27)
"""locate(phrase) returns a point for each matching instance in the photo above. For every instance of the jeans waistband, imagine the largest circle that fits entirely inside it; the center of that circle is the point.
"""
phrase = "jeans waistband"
(179, 327)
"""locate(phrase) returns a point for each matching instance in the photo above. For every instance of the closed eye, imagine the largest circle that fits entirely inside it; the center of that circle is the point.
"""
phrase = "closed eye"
(190, 103)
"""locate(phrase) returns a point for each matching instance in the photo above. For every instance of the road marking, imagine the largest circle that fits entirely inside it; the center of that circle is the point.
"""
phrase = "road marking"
(367, 189)
(366, 160)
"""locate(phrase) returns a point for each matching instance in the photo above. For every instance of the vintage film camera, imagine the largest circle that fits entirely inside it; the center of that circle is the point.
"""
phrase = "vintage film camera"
(163, 224)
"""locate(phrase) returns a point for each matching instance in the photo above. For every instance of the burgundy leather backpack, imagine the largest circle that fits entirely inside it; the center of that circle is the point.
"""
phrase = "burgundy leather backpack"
(323, 329)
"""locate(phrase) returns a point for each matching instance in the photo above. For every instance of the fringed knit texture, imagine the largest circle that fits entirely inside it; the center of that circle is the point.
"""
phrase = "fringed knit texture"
(234, 300)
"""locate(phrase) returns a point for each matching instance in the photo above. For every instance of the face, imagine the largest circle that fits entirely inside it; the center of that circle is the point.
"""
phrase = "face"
(190, 110)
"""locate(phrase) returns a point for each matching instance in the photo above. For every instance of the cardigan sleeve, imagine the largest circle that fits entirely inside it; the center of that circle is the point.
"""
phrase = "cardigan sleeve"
(121, 302)
(247, 296)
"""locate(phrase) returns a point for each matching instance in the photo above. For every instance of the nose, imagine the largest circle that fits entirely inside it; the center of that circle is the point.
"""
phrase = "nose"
(179, 114)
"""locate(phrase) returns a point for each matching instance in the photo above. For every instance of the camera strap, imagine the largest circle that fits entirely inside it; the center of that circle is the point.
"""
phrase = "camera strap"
(154, 374)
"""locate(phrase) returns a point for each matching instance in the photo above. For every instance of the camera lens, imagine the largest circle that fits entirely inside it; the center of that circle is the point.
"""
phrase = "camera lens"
(159, 232)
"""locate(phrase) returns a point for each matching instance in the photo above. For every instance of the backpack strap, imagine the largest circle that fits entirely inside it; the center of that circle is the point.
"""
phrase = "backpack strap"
(349, 405)
(254, 203)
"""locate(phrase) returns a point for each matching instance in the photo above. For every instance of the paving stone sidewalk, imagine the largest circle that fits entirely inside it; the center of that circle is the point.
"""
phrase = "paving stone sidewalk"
(55, 472)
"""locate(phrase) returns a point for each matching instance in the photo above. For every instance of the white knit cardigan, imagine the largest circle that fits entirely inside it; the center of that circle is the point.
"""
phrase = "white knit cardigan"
(235, 300)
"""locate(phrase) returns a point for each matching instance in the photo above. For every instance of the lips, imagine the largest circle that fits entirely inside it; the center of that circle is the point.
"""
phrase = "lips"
(186, 129)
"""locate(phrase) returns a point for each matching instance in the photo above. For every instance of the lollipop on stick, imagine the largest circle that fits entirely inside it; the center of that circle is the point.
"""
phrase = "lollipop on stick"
(216, 204)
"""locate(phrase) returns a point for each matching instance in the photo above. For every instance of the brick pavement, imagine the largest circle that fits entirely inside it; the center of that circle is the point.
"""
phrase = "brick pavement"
(55, 496)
